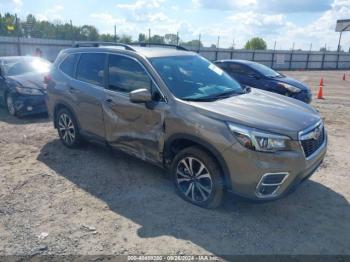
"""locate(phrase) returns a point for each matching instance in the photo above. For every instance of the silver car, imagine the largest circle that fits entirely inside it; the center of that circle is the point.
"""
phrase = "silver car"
(176, 109)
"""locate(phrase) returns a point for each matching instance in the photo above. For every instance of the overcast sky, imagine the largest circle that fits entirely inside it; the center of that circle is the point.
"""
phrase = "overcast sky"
(284, 21)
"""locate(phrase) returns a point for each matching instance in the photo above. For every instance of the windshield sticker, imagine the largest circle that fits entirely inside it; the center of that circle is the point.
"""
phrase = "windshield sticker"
(216, 69)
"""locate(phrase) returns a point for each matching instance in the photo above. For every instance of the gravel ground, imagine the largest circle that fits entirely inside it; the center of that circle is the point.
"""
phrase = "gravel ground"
(92, 201)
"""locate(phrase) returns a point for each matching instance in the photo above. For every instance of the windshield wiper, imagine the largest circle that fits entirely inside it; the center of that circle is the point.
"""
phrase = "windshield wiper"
(214, 97)
(276, 76)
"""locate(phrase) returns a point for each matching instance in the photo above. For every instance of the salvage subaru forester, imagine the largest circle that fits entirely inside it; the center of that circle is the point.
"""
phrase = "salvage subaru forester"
(174, 108)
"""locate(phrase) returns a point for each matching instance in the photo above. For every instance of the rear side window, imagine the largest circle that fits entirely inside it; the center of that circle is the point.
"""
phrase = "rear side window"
(127, 75)
(91, 68)
(221, 65)
(235, 68)
(68, 65)
(239, 69)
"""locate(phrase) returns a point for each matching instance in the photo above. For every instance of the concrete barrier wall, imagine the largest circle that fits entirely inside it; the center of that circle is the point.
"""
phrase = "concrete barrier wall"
(279, 59)
(12, 46)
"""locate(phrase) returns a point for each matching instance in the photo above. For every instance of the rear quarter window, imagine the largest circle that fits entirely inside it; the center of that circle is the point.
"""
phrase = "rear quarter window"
(91, 68)
(68, 65)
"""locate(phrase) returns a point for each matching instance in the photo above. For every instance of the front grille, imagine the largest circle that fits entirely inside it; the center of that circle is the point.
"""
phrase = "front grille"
(312, 144)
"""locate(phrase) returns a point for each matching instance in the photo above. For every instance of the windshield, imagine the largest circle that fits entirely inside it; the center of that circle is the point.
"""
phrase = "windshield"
(13, 67)
(264, 70)
(195, 78)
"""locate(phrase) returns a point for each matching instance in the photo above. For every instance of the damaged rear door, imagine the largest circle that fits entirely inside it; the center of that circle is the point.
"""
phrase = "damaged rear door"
(137, 129)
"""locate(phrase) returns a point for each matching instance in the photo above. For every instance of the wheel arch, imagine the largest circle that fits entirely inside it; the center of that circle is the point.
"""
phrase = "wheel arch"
(60, 105)
(177, 142)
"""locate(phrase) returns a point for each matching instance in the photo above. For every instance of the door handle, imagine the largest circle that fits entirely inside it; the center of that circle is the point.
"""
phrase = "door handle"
(110, 101)
(73, 90)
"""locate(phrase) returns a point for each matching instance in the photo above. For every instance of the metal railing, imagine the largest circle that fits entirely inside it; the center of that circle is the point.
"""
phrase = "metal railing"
(278, 59)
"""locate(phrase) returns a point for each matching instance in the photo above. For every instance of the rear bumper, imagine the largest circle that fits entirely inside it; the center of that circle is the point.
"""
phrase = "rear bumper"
(29, 105)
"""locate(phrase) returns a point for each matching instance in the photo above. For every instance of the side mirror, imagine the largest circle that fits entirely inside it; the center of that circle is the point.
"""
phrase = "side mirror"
(247, 89)
(140, 96)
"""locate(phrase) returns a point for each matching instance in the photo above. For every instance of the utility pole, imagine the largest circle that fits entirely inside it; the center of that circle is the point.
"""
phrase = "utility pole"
(149, 36)
(72, 30)
(218, 44)
(291, 57)
(233, 48)
(341, 33)
(18, 35)
(199, 42)
(177, 38)
(273, 54)
(115, 33)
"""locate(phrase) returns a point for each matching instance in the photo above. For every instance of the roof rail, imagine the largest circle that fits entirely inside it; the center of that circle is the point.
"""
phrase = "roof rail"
(98, 44)
(156, 44)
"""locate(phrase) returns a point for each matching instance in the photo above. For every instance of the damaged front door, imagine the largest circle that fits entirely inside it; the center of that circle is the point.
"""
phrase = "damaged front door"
(137, 129)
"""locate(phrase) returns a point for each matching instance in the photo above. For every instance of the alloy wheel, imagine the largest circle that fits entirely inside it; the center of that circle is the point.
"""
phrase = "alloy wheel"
(194, 180)
(66, 128)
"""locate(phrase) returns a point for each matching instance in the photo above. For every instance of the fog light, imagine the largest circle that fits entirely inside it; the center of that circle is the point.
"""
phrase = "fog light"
(270, 184)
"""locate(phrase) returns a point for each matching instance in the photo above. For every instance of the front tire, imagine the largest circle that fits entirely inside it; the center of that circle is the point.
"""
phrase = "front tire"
(198, 178)
(68, 129)
(10, 105)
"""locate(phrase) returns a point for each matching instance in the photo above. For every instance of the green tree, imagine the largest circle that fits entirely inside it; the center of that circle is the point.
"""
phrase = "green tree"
(256, 43)
(89, 33)
(142, 38)
(9, 26)
(193, 43)
(171, 39)
(109, 38)
(126, 39)
(157, 39)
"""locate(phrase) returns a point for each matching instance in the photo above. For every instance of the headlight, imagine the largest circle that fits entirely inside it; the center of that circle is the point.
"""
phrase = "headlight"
(257, 140)
(290, 88)
(28, 91)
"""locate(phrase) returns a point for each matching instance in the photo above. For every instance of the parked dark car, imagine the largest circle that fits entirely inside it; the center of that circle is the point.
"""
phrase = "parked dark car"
(22, 87)
(179, 111)
(257, 75)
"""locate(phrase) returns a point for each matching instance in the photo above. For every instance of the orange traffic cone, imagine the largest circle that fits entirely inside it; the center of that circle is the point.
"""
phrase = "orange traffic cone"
(321, 82)
(344, 77)
(320, 93)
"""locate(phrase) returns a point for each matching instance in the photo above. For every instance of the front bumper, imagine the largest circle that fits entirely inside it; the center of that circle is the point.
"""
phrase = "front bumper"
(247, 169)
(29, 105)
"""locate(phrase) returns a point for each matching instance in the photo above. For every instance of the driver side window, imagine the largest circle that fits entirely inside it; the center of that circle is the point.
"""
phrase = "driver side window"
(126, 75)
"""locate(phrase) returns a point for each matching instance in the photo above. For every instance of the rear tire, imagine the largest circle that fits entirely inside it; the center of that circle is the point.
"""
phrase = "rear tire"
(198, 178)
(68, 129)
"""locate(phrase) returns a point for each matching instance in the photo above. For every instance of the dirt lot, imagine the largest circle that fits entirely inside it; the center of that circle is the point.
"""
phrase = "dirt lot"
(90, 201)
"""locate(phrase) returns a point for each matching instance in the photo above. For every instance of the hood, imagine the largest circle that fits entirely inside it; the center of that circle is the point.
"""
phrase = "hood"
(33, 80)
(292, 81)
(262, 110)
